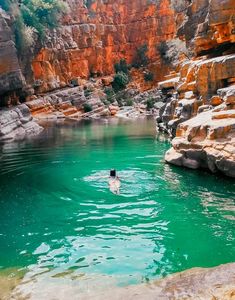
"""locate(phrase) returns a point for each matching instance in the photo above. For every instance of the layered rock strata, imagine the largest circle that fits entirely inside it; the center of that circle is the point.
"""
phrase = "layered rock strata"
(11, 78)
(94, 37)
(17, 123)
(199, 99)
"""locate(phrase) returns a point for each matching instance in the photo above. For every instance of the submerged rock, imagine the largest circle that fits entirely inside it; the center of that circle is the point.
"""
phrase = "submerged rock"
(197, 283)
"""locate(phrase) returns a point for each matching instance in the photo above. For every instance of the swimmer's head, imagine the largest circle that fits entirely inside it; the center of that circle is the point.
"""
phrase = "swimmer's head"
(113, 173)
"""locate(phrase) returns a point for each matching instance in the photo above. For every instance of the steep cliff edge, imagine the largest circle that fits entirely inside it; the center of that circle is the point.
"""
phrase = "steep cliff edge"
(200, 99)
(11, 77)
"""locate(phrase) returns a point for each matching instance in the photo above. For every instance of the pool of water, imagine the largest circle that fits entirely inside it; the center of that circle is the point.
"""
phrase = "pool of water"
(58, 216)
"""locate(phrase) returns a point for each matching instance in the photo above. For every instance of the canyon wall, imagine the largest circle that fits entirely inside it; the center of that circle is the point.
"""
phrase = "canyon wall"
(11, 77)
(94, 37)
(200, 99)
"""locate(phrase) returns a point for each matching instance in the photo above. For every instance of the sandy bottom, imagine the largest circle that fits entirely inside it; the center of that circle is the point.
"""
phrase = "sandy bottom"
(9, 280)
(197, 283)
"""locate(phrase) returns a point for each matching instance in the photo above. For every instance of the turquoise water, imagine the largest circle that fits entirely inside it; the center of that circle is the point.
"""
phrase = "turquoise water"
(57, 213)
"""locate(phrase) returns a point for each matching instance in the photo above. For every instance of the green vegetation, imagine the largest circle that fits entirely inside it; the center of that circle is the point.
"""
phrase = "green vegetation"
(88, 3)
(120, 81)
(122, 66)
(129, 102)
(163, 48)
(87, 107)
(6, 4)
(33, 18)
(141, 58)
(150, 103)
(148, 76)
(87, 92)
(110, 94)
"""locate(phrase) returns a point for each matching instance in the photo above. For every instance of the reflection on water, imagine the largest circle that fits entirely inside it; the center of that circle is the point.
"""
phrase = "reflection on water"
(59, 221)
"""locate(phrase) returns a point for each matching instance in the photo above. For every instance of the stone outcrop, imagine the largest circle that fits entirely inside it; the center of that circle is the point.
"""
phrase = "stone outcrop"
(208, 140)
(67, 103)
(209, 24)
(17, 123)
(11, 77)
(201, 116)
(199, 99)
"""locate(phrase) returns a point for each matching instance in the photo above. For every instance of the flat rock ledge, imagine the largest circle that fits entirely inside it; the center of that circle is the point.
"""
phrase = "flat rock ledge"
(216, 283)
(17, 123)
(198, 283)
(206, 141)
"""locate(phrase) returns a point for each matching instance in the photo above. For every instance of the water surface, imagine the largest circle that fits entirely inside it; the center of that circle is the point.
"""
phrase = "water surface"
(58, 217)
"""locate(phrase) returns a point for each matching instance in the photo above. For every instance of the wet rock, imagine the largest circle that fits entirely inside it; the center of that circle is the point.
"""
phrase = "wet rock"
(197, 283)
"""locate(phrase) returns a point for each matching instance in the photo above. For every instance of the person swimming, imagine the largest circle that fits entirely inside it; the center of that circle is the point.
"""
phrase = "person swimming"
(114, 182)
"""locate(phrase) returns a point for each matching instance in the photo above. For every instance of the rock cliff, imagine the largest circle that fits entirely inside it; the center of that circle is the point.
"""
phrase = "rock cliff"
(199, 99)
(95, 36)
(11, 77)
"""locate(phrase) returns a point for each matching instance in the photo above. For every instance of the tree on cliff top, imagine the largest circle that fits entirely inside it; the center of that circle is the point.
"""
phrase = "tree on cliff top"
(42, 14)
(33, 18)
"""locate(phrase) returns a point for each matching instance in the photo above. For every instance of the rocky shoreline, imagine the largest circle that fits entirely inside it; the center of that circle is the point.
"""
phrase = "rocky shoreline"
(201, 118)
(196, 283)
(17, 123)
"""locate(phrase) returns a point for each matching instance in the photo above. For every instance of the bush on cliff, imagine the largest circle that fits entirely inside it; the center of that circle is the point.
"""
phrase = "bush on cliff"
(32, 18)
(163, 49)
(148, 76)
(120, 81)
(150, 103)
(141, 59)
(121, 66)
(5, 4)
(110, 94)
(87, 107)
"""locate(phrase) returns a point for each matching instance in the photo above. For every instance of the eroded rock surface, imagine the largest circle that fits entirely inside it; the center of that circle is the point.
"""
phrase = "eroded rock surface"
(11, 77)
(17, 123)
(199, 99)
(94, 37)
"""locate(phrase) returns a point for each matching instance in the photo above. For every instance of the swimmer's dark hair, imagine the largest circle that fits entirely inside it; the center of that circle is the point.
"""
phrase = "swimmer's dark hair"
(113, 173)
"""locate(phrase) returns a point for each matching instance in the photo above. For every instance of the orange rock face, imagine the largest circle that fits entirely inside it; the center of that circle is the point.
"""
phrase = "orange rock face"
(92, 39)
(210, 24)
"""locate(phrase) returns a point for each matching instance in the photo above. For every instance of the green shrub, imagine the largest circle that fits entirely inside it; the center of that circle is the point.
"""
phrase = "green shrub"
(129, 102)
(87, 107)
(42, 14)
(150, 103)
(148, 76)
(141, 58)
(6, 4)
(163, 49)
(32, 18)
(88, 3)
(110, 94)
(87, 92)
(120, 81)
(121, 66)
